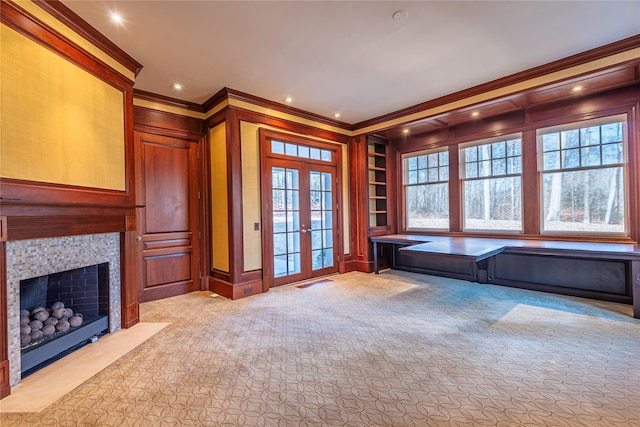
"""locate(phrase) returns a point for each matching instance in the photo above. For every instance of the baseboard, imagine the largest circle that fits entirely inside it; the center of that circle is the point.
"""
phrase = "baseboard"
(131, 315)
(235, 291)
(5, 388)
(347, 266)
(363, 266)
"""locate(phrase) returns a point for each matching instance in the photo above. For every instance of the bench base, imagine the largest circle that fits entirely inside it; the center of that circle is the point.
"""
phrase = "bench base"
(603, 271)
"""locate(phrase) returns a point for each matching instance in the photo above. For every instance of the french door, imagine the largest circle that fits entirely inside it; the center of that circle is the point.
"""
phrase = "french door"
(300, 220)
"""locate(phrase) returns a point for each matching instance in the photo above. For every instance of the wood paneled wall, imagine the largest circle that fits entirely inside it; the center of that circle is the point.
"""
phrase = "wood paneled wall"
(239, 282)
(33, 209)
(623, 100)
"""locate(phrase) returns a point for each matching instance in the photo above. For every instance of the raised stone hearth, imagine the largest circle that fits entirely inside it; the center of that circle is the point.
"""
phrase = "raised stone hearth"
(38, 257)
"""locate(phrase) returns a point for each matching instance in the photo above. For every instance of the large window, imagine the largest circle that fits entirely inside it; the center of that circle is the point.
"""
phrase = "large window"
(583, 177)
(490, 172)
(426, 184)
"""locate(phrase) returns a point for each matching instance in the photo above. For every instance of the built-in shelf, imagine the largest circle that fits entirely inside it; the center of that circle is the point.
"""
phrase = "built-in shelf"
(377, 180)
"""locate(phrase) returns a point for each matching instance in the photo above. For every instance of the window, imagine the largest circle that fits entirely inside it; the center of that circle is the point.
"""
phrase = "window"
(490, 172)
(426, 184)
(583, 176)
(298, 150)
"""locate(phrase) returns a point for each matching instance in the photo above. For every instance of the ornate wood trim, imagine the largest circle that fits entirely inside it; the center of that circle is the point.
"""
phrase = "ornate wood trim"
(5, 388)
(3, 228)
(609, 103)
(129, 299)
(216, 99)
(15, 191)
(235, 291)
(313, 132)
(12, 15)
(262, 102)
(166, 100)
(234, 198)
(167, 124)
(39, 192)
(35, 227)
(69, 18)
(532, 73)
(227, 93)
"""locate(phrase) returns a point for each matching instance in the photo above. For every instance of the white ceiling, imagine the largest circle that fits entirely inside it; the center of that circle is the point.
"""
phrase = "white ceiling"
(349, 56)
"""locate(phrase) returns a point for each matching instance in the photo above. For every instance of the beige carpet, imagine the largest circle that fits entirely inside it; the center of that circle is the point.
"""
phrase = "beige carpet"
(44, 387)
(396, 349)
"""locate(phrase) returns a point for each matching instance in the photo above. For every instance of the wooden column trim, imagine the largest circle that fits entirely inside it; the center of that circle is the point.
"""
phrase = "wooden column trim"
(634, 273)
(234, 194)
(455, 191)
(530, 182)
(5, 388)
(633, 168)
(129, 298)
(3, 228)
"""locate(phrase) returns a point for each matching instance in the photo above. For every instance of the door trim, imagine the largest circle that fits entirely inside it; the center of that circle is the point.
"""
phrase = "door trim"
(266, 158)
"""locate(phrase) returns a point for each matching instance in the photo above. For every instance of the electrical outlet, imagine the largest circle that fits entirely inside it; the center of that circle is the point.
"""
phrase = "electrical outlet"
(256, 226)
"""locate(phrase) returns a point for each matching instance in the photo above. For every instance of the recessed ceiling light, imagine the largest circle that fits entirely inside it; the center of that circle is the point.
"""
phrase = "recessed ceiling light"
(405, 131)
(116, 18)
(576, 88)
(177, 86)
(475, 114)
(288, 100)
(400, 15)
(336, 115)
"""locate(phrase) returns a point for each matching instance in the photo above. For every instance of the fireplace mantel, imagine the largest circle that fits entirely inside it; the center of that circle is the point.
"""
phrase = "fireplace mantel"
(26, 221)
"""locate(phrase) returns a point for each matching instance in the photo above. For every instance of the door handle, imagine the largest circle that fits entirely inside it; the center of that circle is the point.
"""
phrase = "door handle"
(139, 238)
(304, 231)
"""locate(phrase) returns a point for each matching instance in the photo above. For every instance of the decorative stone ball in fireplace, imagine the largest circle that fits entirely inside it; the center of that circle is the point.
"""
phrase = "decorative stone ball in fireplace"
(60, 312)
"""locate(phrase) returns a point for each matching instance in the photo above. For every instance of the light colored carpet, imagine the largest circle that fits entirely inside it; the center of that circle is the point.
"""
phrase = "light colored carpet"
(396, 349)
(44, 387)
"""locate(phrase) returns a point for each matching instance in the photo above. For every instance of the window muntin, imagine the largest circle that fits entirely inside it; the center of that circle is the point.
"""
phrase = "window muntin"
(298, 150)
(583, 177)
(491, 177)
(426, 184)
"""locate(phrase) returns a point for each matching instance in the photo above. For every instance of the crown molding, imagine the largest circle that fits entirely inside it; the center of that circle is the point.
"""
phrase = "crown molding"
(167, 100)
(601, 52)
(69, 18)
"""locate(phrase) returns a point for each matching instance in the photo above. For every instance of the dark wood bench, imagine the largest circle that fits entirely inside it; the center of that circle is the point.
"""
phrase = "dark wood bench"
(607, 271)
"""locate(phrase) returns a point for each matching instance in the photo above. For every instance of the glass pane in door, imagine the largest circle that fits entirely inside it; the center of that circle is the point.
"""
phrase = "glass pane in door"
(321, 202)
(285, 187)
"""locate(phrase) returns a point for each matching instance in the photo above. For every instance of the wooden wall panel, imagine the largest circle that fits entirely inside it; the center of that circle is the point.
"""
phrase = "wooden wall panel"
(167, 124)
(13, 16)
(5, 388)
(612, 102)
(35, 209)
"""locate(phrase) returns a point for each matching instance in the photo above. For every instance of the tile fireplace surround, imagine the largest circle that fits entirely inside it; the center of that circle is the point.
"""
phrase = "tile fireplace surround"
(32, 258)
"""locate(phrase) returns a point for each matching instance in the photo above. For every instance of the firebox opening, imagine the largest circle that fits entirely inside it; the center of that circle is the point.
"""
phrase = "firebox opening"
(59, 312)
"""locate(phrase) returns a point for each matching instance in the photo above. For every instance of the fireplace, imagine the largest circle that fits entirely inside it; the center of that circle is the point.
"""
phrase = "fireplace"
(60, 312)
(28, 261)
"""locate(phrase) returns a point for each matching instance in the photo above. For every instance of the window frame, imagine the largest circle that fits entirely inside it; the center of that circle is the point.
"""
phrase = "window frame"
(577, 125)
(461, 147)
(527, 122)
(404, 159)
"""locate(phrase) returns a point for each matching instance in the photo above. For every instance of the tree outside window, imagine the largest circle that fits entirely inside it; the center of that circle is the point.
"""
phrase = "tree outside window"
(583, 177)
(491, 178)
(426, 184)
